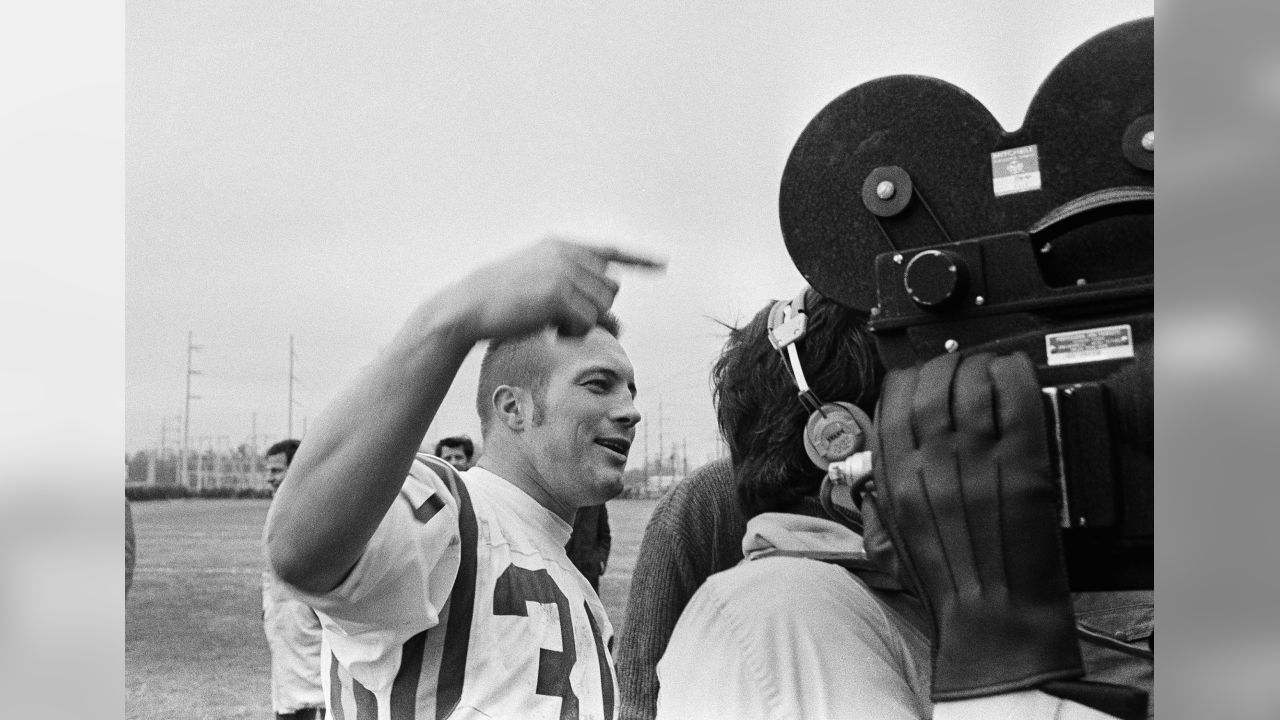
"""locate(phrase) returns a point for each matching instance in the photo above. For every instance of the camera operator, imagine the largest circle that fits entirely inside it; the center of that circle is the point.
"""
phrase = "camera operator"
(962, 616)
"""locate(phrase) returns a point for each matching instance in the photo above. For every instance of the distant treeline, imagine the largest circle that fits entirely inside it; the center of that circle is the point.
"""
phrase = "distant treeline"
(139, 492)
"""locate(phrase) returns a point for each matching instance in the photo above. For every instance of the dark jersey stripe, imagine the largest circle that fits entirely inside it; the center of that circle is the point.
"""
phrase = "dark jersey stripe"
(366, 701)
(335, 690)
(404, 691)
(606, 677)
(462, 599)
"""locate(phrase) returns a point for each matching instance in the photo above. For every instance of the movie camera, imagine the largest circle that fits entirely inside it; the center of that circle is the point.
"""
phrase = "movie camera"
(905, 199)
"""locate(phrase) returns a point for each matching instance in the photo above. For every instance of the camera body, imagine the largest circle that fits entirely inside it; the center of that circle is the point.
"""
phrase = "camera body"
(1091, 344)
(904, 199)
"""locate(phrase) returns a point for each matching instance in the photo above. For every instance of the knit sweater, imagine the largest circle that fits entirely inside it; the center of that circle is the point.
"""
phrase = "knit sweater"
(695, 530)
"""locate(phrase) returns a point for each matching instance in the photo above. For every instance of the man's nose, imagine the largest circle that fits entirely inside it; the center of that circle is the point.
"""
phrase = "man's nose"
(627, 415)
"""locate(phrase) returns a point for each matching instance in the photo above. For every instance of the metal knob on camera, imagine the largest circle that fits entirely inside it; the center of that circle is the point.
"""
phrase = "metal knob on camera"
(935, 278)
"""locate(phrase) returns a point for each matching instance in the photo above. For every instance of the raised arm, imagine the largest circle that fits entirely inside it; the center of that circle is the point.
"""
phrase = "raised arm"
(354, 461)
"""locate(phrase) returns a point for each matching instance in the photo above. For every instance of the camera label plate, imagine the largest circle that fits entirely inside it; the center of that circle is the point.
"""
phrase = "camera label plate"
(1015, 170)
(1114, 342)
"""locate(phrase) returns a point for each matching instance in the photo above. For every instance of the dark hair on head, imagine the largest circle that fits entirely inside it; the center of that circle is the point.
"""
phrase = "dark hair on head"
(462, 441)
(521, 361)
(758, 408)
(288, 447)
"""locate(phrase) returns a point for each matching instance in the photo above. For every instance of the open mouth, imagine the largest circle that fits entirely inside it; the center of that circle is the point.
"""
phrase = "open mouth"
(617, 445)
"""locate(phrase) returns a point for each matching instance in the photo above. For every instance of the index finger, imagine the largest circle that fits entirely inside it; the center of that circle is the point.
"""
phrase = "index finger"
(1017, 394)
(609, 253)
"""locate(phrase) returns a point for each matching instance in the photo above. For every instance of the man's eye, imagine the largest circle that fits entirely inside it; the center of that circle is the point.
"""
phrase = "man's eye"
(597, 385)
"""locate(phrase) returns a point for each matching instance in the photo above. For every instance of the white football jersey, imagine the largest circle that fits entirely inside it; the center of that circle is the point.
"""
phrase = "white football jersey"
(464, 605)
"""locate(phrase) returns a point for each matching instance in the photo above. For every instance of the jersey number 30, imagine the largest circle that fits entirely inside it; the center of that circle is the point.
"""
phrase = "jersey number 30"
(517, 586)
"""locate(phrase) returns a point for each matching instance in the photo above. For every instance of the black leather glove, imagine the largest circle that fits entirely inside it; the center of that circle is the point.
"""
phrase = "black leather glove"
(963, 490)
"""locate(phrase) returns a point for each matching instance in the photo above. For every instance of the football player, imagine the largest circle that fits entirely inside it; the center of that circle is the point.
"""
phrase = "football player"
(446, 594)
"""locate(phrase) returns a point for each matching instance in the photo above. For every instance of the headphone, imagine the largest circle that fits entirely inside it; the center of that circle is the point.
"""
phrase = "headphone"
(835, 430)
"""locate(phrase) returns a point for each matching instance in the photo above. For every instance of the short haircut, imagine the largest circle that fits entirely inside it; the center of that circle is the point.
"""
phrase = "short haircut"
(758, 409)
(521, 361)
(457, 441)
(288, 447)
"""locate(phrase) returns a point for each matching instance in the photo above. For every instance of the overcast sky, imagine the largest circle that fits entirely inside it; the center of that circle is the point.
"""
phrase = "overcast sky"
(317, 169)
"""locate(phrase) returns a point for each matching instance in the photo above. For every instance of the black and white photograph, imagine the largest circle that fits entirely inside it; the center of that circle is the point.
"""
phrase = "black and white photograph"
(643, 362)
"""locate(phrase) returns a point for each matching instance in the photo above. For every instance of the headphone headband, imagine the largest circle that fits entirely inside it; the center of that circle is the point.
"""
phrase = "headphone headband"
(788, 322)
(788, 319)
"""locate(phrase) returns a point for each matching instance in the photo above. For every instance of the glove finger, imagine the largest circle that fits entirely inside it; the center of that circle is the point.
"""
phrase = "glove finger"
(973, 402)
(878, 541)
(1019, 409)
(942, 490)
(1023, 446)
(971, 507)
(895, 465)
(892, 425)
(1029, 495)
(931, 402)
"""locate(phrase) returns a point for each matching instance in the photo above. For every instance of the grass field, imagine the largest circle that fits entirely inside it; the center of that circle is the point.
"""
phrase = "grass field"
(193, 631)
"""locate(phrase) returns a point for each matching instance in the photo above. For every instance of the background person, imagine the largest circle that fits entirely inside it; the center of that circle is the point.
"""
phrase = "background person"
(791, 631)
(588, 546)
(457, 450)
(446, 594)
(291, 626)
(279, 456)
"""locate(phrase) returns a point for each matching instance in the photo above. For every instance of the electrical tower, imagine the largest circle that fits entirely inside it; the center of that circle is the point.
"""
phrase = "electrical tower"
(293, 356)
(163, 448)
(183, 475)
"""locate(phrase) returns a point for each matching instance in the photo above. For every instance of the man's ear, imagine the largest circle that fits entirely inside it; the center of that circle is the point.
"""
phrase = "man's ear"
(508, 407)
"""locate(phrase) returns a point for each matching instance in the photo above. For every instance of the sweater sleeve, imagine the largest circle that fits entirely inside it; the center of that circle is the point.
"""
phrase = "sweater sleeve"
(676, 556)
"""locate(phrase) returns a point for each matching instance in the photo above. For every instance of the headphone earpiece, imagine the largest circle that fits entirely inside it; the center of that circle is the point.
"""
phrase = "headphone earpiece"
(835, 432)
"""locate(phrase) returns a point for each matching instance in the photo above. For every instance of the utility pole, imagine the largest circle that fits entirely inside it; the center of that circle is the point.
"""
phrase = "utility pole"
(660, 456)
(253, 444)
(186, 412)
(646, 452)
(289, 433)
(684, 456)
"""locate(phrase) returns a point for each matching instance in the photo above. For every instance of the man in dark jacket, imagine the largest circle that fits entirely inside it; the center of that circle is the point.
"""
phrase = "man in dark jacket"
(588, 547)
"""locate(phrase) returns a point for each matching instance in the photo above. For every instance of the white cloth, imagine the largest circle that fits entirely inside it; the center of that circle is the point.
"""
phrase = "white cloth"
(293, 635)
(782, 635)
(536, 635)
(786, 636)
